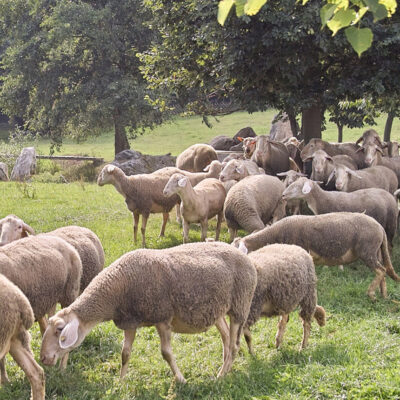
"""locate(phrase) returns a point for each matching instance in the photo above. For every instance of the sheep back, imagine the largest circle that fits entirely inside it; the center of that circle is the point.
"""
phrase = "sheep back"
(196, 157)
(191, 285)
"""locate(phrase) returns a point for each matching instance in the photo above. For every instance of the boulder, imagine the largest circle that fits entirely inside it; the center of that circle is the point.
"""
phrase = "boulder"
(237, 147)
(3, 172)
(134, 162)
(222, 142)
(25, 165)
(244, 133)
(280, 128)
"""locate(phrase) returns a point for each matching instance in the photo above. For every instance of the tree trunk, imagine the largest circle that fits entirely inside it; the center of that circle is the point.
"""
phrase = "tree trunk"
(293, 123)
(311, 122)
(121, 141)
(388, 126)
(340, 133)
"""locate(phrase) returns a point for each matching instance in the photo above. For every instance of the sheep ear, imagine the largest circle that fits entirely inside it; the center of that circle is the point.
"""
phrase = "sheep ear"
(282, 173)
(110, 168)
(379, 149)
(182, 182)
(243, 248)
(239, 169)
(27, 229)
(331, 175)
(361, 148)
(69, 335)
(351, 172)
(240, 139)
(306, 188)
(207, 168)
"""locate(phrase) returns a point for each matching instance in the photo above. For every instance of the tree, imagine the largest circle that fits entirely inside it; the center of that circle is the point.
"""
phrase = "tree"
(280, 58)
(70, 68)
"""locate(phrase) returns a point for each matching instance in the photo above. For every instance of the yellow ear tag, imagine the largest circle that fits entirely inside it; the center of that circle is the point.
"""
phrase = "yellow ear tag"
(62, 338)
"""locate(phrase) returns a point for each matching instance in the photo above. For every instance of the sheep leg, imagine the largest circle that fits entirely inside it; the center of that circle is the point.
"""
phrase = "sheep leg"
(283, 320)
(306, 333)
(143, 229)
(129, 337)
(23, 356)
(164, 223)
(232, 234)
(52, 311)
(380, 273)
(247, 336)
(164, 331)
(185, 231)
(178, 214)
(220, 217)
(223, 329)
(64, 361)
(136, 216)
(4, 377)
(204, 226)
(42, 324)
(234, 341)
(383, 289)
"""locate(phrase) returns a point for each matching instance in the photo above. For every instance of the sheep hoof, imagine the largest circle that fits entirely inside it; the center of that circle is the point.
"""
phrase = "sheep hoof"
(372, 296)
(180, 379)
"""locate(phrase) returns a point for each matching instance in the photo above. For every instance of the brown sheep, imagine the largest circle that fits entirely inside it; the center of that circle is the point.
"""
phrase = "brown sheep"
(196, 157)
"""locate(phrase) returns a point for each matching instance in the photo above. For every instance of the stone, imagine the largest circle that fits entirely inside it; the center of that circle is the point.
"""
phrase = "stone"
(25, 166)
(222, 142)
(280, 128)
(3, 172)
(244, 133)
(133, 162)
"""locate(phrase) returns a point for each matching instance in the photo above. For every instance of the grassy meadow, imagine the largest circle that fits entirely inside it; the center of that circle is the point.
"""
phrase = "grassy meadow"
(355, 356)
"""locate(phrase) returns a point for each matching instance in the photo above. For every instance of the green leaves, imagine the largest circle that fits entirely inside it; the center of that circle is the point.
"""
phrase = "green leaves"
(224, 7)
(341, 19)
(249, 7)
(360, 39)
(252, 7)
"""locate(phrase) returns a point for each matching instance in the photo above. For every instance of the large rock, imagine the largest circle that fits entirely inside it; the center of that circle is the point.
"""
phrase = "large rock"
(222, 142)
(280, 128)
(244, 133)
(3, 172)
(25, 166)
(134, 162)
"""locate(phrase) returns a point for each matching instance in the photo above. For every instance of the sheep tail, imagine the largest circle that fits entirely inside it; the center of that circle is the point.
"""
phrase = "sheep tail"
(320, 315)
(387, 263)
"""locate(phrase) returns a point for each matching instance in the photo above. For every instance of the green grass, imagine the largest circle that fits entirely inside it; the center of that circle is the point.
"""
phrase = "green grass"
(175, 136)
(355, 356)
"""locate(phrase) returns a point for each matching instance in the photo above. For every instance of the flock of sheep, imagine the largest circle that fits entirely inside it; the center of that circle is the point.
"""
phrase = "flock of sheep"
(191, 287)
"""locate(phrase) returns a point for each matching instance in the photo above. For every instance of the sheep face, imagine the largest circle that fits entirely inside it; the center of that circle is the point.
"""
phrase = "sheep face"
(298, 189)
(214, 168)
(319, 164)
(13, 228)
(64, 332)
(312, 146)
(290, 177)
(249, 145)
(106, 175)
(370, 151)
(174, 184)
(234, 170)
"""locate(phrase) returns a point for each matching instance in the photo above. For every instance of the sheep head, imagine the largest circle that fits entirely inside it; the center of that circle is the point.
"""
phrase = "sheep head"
(13, 228)
(175, 184)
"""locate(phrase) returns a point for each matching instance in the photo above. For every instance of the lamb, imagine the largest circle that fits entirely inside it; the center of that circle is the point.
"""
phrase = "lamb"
(253, 202)
(292, 205)
(285, 280)
(16, 318)
(184, 289)
(272, 156)
(196, 157)
(85, 241)
(239, 169)
(198, 204)
(373, 177)
(377, 203)
(332, 239)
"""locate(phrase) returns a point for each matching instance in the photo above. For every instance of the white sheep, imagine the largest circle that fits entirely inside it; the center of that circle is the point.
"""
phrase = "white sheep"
(199, 203)
(239, 169)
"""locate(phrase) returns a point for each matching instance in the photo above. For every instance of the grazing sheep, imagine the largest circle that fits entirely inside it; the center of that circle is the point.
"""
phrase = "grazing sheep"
(293, 206)
(333, 149)
(377, 203)
(285, 280)
(272, 156)
(13, 228)
(85, 241)
(239, 169)
(16, 318)
(348, 180)
(332, 239)
(196, 157)
(252, 203)
(198, 204)
(184, 289)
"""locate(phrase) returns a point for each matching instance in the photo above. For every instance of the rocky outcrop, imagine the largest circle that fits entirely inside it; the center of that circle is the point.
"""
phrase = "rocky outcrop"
(3, 172)
(25, 165)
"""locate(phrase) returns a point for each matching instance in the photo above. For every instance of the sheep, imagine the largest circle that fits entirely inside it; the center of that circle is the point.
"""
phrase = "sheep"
(198, 204)
(391, 149)
(332, 239)
(253, 202)
(16, 318)
(13, 228)
(333, 149)
(272, 156)
(48, 271)
(285, 280)
(249, 145)
(348, 180)
(239, 169)
(85, 241)
(377, 203)
(184, 289)
(292, 205)
(196, 157)
(370, 136)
